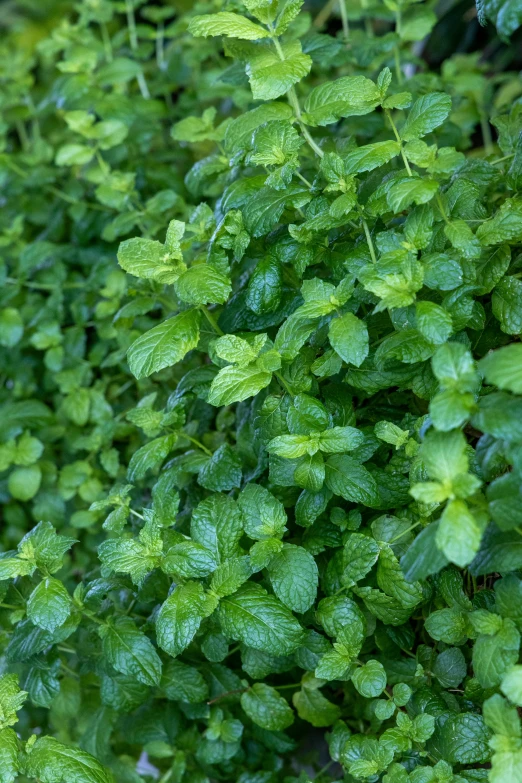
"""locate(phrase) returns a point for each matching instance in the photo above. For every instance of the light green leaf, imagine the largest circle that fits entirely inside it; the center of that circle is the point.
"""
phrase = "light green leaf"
(266, 707)
(259, 620)
(165, 344)
(294, 577)
(226, 23)
(180, 616)
(49, 604)
(203, 284)
(348, 337)
(130, 652)
(426, 114)
(348, 96)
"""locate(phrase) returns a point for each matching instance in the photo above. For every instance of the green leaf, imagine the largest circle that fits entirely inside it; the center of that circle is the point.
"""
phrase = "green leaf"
(314, 708)
(263, 211)
(180, 682)
(265, 286)
(426, 114)
(505, 226)
(294, 577)
(217, 525)
(464, 739)
(271, 75)
(49, 604)
(130, 652)
(359, 556)
(494, 654)
(52, 762)
(11, 700)
(266, 707)
(259, 620)
(235, 384)
(371, 156)
(459, 533)
(511, 685)
(9, 766)
(370, 679)
(504, 368)
(165, 344)
(203, 284)
(348, 336)
(180, 616)
(346, 97)
(350, 480)
(226, 23)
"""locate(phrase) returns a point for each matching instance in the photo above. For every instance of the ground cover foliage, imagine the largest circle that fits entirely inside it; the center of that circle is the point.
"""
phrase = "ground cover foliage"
(261, 400)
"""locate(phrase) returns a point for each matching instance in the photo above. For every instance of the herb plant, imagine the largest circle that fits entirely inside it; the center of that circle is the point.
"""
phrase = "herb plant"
(261, 400)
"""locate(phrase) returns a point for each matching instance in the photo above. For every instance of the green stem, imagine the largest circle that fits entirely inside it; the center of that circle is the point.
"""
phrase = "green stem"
(107, 45)
(325, 768)
(10, 606)
(133, 37)
(486, 132)
(294, 103)
(197, 443)
(212, 321)
(22, 133)
(92, 617)
(344, 20)
(102, 164)
(398, 137)
(284, 384)
(396, 538)
(137, 514)
(228, 693)
(303, 179)
(441, 207)
(397, 58)
(285, 687)
(396, 51)
(501, 160)
(324, 13)
(160, 51)
(369, 241)
(43, 286)
(131, 24)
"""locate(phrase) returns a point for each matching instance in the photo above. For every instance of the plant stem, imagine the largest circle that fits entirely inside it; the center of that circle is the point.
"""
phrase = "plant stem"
(212, 321)
(369, 241)
(137, 514)
(284, 384)
(133, 37)
(160, 52)
(344, 20)
(303, 179)
(294, 103)
(396, 538)
(396, 51)
(285, 687)
(107, 45)
(22, 134)
(324, 769)
(486, 132)
(501, 160)
(441, 207)
(398, 137)
(198, 444)
(228, 693)
(324, 13)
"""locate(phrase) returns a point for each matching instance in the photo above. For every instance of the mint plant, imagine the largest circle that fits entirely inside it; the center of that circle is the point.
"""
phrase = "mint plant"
(260, 442)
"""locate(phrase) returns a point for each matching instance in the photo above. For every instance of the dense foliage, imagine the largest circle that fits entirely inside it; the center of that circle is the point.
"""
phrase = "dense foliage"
(261, 399)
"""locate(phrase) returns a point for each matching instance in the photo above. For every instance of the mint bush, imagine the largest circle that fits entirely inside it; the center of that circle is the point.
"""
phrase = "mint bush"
(261, 400)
